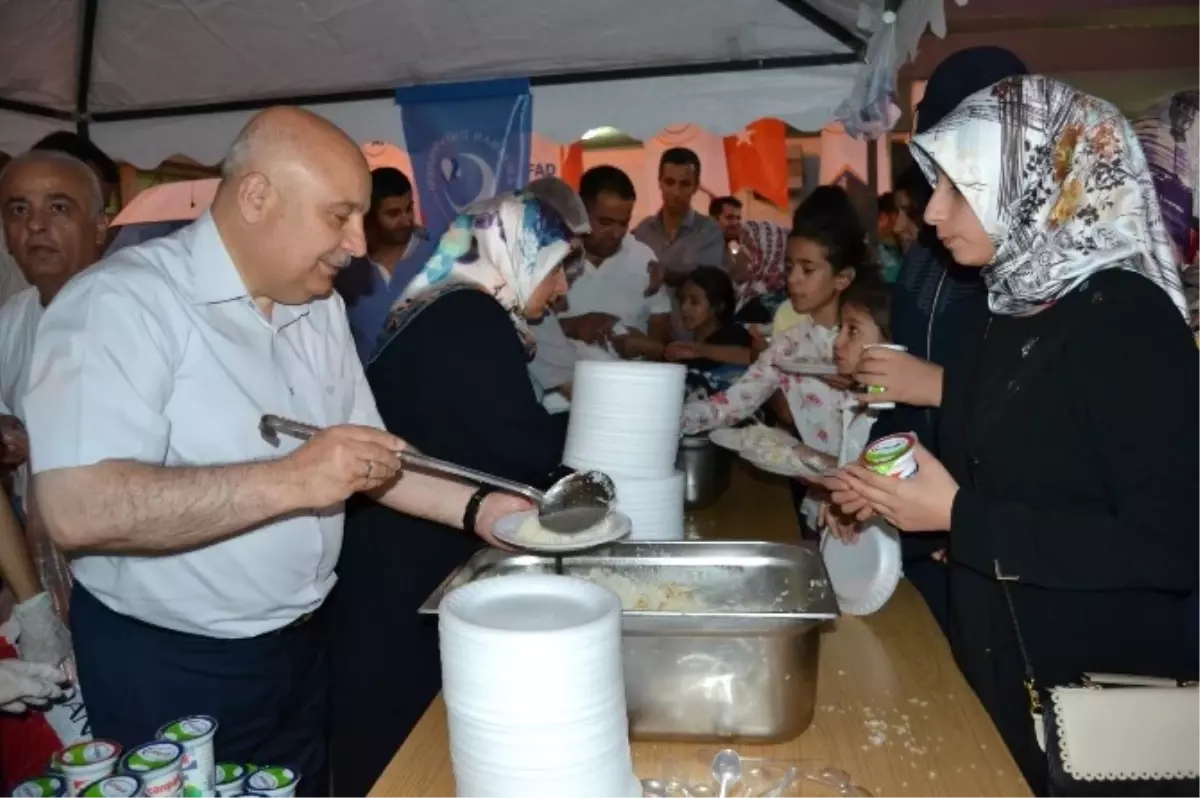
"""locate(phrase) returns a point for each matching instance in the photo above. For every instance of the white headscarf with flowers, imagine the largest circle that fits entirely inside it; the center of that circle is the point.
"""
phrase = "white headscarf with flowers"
(1059, 183)
(504, 246)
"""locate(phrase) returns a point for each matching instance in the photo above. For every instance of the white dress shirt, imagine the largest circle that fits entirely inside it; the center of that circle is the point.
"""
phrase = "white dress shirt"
(157, 354)
(617, 287)
(12, 280)
(19, 318)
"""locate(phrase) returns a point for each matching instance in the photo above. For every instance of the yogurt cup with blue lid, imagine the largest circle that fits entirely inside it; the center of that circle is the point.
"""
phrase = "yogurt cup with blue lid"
(49, 786)
(125, 785)
(158, 764)
(195, 733)
(86, 761)
(273, 781)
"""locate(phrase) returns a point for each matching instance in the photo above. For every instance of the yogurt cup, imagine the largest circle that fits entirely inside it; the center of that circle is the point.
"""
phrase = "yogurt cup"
(86, 761)
(55, 765)
(273, 782)
(49, 785)
(892, 455)
(230, 779)
(159, 765)
(125, 785)
(880, 388)
(195, 734)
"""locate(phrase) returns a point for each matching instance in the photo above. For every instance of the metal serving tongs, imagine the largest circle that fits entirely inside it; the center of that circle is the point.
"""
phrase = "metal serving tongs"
(575, 503)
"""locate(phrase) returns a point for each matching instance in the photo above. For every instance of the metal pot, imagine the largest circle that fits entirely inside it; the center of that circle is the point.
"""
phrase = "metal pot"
(706, 470)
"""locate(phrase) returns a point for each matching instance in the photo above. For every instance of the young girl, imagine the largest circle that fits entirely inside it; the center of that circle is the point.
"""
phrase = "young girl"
(864, 320)
(822, 261)
(720, 351)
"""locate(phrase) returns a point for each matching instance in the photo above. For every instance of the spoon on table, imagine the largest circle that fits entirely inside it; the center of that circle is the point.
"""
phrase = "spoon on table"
(726, 769)
(573, 504)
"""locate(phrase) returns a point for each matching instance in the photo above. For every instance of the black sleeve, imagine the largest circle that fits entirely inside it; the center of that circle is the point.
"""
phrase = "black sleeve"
(457, 377)
(1135, 369)
(730, 335)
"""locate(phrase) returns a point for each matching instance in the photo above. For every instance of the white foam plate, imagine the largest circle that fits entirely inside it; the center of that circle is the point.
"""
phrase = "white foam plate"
(727, 438)
(864, 573)
(508, 530)
(791, 466)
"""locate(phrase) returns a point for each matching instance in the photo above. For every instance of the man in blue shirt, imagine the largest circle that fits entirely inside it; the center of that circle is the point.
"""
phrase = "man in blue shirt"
(397, 249)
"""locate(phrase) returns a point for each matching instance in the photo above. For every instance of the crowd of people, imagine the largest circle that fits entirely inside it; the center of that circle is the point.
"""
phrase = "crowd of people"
(1033, 266)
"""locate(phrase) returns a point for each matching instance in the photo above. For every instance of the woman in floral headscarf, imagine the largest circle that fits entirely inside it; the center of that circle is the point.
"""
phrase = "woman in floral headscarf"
(1069, 454)
(451, 377)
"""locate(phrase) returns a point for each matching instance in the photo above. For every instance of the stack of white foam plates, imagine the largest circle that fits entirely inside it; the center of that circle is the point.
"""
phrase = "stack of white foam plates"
(654, 506)
(535, 699)
(625, 418)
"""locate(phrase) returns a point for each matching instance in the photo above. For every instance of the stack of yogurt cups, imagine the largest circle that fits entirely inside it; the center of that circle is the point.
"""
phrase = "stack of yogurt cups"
(179, 762)
(625, 419)
(535, 698)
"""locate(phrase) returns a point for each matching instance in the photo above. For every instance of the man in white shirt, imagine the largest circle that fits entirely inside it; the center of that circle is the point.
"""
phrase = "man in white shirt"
(12, 281)
(52, 209)
(612, 298)
(203, 554)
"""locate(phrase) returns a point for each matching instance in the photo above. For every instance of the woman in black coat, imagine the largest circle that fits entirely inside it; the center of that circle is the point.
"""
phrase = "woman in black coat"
(451, 378)
(1069, 443)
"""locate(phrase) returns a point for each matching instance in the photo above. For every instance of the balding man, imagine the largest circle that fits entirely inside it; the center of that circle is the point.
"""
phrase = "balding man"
(204, 554)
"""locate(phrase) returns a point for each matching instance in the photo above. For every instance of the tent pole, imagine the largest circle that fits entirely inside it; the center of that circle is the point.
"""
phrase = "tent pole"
(31, 109)
(83, 82)
(744, 65)
(825, 24)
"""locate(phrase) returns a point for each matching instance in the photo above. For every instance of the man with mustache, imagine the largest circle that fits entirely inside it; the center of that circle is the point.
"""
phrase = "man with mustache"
(203, 555)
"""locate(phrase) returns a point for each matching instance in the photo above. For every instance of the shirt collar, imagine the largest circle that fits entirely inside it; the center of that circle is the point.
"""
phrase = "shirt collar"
(213, 278)
(689, 220)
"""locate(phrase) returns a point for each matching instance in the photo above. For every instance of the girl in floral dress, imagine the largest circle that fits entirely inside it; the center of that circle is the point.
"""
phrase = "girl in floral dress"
(822, 260)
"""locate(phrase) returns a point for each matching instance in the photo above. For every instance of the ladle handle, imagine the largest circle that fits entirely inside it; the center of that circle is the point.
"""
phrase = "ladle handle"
(426, 463)
(302, 431)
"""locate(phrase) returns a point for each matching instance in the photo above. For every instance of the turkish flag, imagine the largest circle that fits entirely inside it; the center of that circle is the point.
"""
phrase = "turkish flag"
(757, 159)
(572, 166)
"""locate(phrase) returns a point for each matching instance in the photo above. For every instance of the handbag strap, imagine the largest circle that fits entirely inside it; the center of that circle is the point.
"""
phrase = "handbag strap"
(1035, 699)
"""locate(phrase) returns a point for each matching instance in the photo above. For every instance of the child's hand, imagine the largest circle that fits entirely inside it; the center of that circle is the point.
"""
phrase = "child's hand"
(843, 528)
(681, 350)
(904, 378)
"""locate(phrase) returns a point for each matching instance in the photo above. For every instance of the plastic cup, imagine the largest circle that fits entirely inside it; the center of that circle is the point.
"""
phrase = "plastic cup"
(50, 785)
(87, 761)
(125, 785)
(273, 781)
(159, 764)
(230, 779)
(195, 734)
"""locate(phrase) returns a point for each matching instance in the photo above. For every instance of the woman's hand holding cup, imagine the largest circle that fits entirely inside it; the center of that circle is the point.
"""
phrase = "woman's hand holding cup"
(897, 378)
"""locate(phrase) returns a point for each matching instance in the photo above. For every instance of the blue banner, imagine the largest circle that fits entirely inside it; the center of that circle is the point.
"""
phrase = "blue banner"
(468, 142)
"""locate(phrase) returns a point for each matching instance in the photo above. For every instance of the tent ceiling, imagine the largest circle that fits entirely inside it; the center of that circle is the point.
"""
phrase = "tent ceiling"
(170, 77)
(167, 53)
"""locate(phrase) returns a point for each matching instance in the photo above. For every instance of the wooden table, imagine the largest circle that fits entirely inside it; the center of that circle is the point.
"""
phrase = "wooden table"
(892, 709)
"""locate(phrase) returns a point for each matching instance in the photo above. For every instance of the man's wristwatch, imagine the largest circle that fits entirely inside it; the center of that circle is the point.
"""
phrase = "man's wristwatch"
(471, 512)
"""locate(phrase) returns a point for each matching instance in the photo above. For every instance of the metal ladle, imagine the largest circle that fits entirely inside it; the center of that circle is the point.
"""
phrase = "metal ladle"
(573, 504)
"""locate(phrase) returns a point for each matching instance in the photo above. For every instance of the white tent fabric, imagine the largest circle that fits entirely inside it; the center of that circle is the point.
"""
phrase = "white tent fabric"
(155, 54)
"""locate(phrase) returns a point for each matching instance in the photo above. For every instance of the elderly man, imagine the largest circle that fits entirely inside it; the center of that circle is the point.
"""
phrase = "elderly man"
(52, 209)
(70, 143)
(204, 554)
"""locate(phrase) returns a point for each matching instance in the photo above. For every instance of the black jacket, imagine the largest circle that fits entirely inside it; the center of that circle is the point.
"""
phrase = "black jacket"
(1074, 439)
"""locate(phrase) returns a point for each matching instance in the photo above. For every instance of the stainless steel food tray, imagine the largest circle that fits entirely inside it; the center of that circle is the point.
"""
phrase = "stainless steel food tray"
(741, 665)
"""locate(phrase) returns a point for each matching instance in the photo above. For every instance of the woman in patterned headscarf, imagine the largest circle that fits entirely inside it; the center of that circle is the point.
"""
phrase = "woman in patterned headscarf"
(1171, 140)
(451, 376)
(1069, 455)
